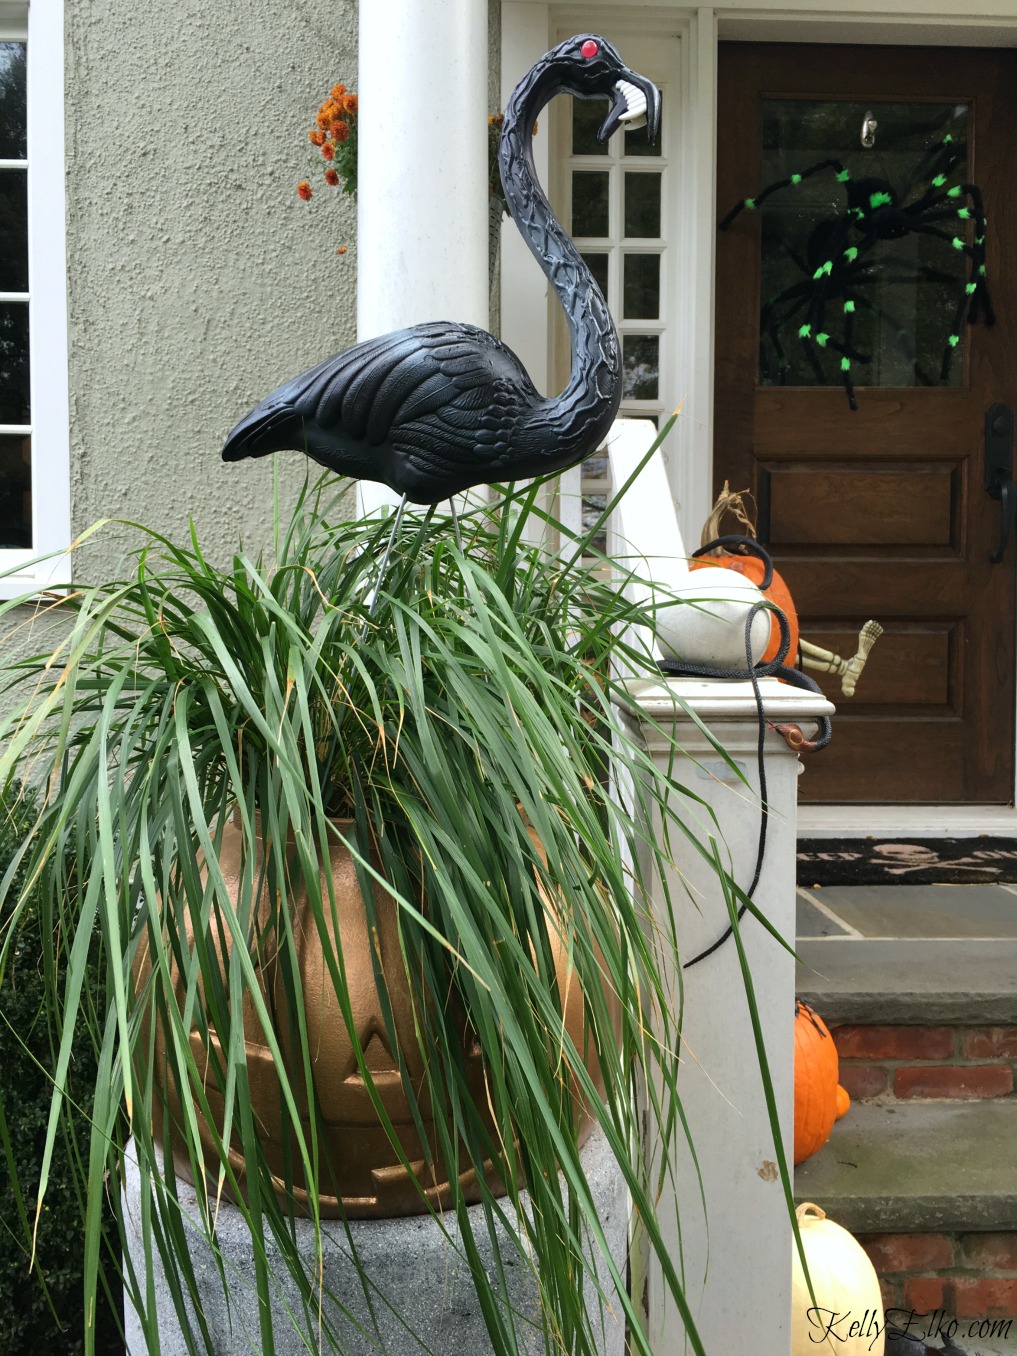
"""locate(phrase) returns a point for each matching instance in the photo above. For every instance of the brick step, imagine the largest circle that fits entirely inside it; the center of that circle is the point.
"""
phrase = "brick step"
(930, 1188)
(917, 1018)
(911, 1062)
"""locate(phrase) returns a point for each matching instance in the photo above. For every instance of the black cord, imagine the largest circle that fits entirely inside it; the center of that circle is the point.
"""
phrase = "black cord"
(776, 668)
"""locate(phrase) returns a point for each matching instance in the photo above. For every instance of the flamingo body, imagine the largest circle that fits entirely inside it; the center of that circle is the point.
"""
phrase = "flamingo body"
(429, 410)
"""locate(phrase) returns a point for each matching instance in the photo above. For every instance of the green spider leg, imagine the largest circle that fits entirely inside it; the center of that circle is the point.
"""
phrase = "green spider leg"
(792, 181)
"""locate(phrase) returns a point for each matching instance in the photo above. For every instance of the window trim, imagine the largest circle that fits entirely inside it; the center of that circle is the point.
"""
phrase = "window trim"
(47, 564)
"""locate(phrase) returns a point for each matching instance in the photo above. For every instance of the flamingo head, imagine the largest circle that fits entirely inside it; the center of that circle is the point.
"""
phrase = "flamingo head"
(590, 67)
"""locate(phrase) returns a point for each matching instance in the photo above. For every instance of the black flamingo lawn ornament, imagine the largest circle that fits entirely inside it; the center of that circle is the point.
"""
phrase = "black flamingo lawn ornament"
(435, 408)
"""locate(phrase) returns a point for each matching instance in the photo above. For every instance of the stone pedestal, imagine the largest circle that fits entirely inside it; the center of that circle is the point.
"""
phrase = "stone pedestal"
(420, 1297)
(735, 1238)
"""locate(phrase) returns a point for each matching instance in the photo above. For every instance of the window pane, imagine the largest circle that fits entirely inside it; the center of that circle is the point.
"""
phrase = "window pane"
(597, 264)
(641, 361)
(636, 143)
(886, 307)
(13, 230)
(642, 205)
(641, 292)
(593, 508)
(589, 202)
(587, 116)
(14, 398)
(15, 492)
(13, 143)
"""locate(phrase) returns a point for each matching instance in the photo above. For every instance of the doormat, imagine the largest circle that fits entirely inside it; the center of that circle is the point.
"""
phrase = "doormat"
(907, 861)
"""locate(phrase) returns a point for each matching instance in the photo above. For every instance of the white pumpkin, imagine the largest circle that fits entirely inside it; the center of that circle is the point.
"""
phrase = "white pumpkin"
(850, 1317)
(709, 628)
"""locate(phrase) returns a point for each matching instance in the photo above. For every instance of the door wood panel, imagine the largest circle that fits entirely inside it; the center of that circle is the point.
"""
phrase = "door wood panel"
(881, 512)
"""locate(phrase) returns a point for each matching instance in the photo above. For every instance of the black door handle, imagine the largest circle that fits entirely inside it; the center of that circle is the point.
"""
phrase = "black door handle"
(999, 471)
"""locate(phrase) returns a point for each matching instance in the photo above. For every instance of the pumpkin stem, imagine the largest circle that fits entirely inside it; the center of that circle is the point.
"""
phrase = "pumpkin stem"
(808, 1210)
(733, 502)
(802, 1007)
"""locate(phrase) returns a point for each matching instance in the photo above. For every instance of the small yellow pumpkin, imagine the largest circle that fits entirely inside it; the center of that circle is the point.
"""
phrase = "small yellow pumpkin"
(847, 1317)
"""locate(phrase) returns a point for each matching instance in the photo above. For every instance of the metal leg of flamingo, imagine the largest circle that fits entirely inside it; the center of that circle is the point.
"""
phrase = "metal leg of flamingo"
(455, 523)
(383, 567)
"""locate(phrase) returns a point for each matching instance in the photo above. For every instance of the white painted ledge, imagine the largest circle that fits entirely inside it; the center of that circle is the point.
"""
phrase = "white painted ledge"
(717, 700)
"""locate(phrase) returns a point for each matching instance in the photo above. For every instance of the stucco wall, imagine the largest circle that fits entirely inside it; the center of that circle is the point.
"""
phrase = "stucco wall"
(197, 279)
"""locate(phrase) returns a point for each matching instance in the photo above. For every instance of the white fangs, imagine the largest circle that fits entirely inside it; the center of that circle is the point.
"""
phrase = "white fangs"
(635, 105)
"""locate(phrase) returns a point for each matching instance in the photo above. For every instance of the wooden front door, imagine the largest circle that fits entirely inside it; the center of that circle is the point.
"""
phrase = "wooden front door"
(879, 511)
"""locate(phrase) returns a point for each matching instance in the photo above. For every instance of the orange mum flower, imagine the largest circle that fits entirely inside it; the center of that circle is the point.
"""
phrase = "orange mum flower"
(340, 130)
(328, 150)
(351, 103)
(338, 91)
(304, 190)
(323, 119)
(331, 177)
(316, 138)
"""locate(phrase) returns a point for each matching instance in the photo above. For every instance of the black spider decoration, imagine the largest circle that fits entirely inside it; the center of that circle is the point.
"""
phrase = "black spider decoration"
(841, 258)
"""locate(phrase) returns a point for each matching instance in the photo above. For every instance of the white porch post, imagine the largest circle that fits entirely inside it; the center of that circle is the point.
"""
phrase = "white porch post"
(736, 1251)
(422, 218)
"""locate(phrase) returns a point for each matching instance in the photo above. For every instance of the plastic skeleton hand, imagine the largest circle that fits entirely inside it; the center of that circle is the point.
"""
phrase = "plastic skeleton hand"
(847, 670)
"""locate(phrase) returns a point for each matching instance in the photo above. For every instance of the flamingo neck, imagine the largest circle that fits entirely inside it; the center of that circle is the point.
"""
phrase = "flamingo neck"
(587, 406)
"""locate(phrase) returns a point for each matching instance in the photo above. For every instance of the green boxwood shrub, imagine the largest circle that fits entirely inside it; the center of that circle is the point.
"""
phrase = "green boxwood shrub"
(41, 1310)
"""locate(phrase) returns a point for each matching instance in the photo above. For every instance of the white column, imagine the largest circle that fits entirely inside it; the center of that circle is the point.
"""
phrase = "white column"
(735, 1249)
(422, 220)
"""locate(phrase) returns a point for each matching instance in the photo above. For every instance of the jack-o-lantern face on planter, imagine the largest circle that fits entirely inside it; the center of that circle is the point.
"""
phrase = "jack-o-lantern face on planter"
(817, 1071)
(365, 1169)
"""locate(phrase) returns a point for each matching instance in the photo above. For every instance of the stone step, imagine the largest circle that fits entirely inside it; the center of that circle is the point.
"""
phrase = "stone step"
(931, 1190)
(915, 1167)
(910, 981)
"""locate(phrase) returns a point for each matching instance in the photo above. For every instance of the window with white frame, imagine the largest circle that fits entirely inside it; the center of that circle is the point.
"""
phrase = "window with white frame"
(15, 389)
(34, 407)
(615, 199)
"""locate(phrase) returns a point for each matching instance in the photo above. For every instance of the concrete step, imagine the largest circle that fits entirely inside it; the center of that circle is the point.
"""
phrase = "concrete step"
(916, 1167)
(930, 1189)
(910, 981)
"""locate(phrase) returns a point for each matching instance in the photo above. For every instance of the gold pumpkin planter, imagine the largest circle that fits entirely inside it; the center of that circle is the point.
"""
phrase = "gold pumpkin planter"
(359, 1163)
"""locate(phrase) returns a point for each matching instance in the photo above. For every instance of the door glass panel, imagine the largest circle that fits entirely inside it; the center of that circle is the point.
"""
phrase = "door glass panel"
(587, 117)
(641, 289)
(590, 195)
(641, 363)
(597, 264)
(638, 143)
(891, 233)
(642, 205)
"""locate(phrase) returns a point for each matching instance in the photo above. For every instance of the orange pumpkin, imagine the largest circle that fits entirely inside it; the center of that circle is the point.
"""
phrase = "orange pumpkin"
(843, 1101)
(816, 1081)
(777, 592)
